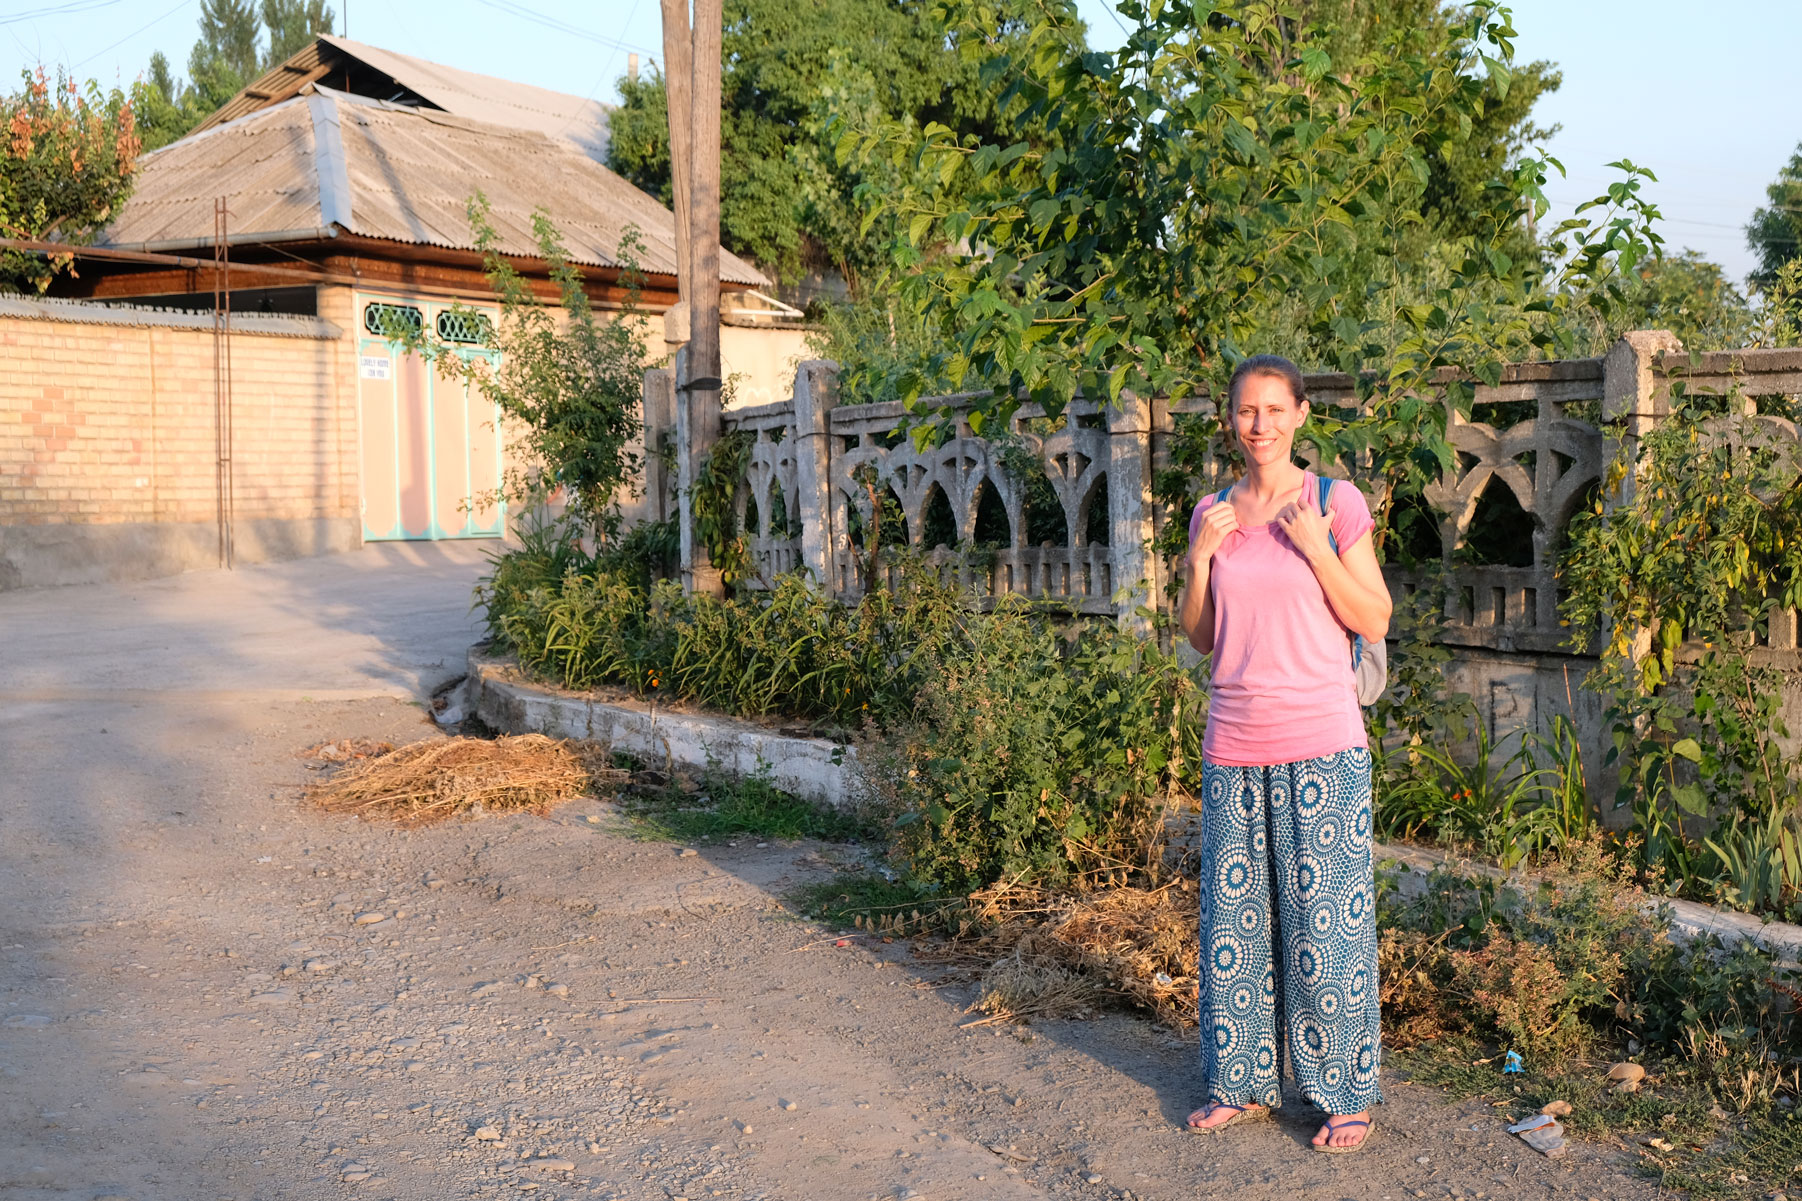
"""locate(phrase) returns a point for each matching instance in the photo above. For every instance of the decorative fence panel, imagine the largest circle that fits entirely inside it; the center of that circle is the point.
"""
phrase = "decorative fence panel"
(1061, 513)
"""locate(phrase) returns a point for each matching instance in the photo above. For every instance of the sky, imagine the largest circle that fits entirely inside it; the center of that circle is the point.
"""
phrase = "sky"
(1704, 97)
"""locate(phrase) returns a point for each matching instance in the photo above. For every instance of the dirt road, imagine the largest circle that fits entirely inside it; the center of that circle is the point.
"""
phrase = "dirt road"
(198, 1001)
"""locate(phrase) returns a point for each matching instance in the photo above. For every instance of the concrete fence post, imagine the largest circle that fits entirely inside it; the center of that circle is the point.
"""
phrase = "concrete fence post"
(816, 392)
(1129, 510)
(1634, 400)
(659, 434)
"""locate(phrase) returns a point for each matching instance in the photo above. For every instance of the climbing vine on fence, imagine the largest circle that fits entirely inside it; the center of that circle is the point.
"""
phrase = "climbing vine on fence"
(1680, 579)
(713, 498)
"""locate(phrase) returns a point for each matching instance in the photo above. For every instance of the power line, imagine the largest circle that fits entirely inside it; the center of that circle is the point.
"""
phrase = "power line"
(179, 5)
(550, 22)
(74, 6)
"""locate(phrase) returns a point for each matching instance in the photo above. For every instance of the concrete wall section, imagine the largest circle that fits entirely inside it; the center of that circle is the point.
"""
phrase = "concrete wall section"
(56, 554)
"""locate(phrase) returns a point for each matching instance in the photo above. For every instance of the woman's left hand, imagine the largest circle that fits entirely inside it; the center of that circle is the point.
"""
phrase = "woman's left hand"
(1307, 530)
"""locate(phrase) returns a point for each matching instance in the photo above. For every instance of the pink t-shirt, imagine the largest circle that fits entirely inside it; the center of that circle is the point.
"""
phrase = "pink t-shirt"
(1283, 688)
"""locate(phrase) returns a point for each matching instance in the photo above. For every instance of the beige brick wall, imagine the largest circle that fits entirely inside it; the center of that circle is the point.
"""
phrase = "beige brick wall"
(114, 423)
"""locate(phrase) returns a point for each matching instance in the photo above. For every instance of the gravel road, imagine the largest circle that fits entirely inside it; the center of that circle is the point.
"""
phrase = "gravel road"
(208, 991)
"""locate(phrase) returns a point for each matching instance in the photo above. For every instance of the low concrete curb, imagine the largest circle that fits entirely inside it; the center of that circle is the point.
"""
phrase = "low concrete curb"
(1688, 920)
(824, 772)
(815, 769)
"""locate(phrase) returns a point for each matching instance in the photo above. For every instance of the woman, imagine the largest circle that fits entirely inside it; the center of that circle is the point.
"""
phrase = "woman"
(1288, 932)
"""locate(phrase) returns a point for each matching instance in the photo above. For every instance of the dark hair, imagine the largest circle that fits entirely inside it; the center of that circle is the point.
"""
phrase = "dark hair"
(1276, 367)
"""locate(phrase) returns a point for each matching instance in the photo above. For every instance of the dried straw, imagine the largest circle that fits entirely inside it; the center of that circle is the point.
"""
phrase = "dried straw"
(1035, 981)
(1141, 943)
(442, 778)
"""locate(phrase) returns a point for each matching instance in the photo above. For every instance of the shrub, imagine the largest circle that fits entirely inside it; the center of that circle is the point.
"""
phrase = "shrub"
(1032, 755)
(1552, 968)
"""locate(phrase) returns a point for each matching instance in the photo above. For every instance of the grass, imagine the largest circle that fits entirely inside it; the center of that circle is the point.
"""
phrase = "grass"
(1712, 1153)
(853, 895)
(729, 807)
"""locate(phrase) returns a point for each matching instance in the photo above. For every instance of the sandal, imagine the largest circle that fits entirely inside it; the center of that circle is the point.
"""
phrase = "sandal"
(1243, 1113)
(1327, 1148)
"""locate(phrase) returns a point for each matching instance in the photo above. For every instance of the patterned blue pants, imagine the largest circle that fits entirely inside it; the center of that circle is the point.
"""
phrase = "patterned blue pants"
(1288, 933)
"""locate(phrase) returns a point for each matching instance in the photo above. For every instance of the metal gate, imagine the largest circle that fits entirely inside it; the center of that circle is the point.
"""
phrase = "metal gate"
(431, 445)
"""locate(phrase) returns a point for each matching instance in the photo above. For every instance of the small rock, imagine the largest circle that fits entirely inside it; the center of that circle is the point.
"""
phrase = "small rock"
(1626, 1077)
(320, 965)
(744, 1127)
(487, 990)
(355, 1177)
(370, 919)
(1556, 1109)
(275, 996)
(550, 1164)
(1420, 1159)
(685, 852)
(557, 990)
(487, 1134)
(787, 1104)
(1093, 1178)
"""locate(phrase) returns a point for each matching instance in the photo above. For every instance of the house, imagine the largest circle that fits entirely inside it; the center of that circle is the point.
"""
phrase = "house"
(339, 206)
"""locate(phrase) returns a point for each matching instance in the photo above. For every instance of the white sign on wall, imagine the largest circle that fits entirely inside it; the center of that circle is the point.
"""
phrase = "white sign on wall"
(374, 366)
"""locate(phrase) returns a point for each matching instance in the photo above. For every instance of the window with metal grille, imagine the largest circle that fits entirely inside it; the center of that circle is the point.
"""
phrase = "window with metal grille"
(473, 328)
(385, 320)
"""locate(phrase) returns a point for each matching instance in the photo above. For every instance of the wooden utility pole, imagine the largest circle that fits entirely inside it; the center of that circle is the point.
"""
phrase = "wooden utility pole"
(692, 87)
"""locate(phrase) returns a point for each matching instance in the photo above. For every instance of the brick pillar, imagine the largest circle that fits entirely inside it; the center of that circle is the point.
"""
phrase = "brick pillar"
(816, 392)
(1129, 510)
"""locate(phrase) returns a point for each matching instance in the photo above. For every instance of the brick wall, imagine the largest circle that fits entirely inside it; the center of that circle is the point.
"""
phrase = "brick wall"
(107, 424)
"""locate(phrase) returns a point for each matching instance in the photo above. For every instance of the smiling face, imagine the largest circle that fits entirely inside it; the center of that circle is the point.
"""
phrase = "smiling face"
(1265, 418)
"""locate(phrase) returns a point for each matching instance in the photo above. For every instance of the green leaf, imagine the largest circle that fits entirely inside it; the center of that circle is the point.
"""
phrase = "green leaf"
(1690, 798)
(1688, 748)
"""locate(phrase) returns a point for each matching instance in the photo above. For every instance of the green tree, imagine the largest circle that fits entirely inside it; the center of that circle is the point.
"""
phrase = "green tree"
(1469, 148)
(238, 41)
(161, 116)
(786, 202)
(1775, 232)
(291, 24)
(573, 381)
(66, 169)
(1688, 295)
(1224, 169)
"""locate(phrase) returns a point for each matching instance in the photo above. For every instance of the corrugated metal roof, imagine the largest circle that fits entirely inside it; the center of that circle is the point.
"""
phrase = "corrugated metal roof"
(396, 172)
(487, 98)
(465, 93)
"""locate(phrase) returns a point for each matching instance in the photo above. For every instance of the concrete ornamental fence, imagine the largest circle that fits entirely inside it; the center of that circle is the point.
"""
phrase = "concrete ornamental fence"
(1534, 453)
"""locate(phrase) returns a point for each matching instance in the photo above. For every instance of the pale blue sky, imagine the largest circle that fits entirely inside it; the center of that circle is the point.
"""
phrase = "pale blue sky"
(1706, 97)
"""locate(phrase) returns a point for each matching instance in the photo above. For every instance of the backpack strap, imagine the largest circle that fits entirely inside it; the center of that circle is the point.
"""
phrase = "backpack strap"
(1326, 490)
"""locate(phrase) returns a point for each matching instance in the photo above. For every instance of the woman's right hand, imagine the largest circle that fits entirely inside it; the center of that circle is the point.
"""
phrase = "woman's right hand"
(1217, 521)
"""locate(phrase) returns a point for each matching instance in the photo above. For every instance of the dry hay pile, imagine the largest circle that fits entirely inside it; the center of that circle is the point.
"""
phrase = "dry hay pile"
(1140, 943)
(1146, 942)
(441, 778)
